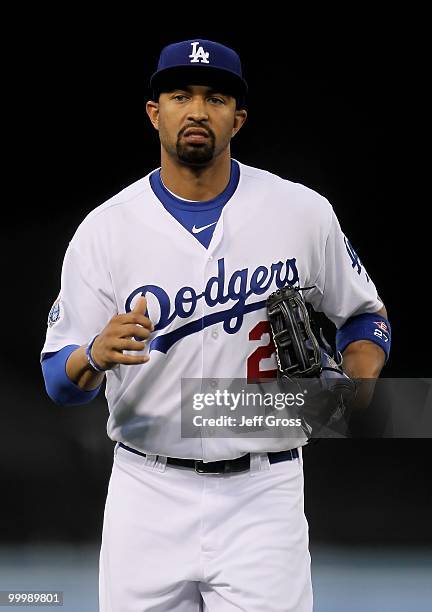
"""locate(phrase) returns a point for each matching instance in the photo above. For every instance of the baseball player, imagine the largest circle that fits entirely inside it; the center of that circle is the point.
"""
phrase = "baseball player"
(166, 281)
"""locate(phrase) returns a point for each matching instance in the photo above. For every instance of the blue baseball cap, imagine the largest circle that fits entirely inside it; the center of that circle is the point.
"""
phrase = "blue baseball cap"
(199, 61)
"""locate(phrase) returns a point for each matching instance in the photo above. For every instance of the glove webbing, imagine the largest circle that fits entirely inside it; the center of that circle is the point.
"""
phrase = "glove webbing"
(297, 349)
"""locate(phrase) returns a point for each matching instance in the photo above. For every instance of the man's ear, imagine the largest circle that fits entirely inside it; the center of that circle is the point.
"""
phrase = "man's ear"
(152, 109)
(239, 119)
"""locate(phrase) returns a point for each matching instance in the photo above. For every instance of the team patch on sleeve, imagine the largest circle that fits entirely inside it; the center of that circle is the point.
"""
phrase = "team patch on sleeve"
(54, 313)
(383, 327)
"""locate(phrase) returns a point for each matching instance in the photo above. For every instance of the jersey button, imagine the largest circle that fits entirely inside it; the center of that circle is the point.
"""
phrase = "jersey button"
(213, 383)
(214, 334)
(210, 258)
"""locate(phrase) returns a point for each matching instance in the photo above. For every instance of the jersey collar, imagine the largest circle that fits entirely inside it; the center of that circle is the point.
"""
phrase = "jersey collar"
(168, 198)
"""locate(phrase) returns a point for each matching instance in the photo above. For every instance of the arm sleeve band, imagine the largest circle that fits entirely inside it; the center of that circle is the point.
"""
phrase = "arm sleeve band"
(59, 386)
(372, 327)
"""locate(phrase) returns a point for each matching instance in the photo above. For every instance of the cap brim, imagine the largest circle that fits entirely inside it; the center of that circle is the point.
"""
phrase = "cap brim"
(177, 76)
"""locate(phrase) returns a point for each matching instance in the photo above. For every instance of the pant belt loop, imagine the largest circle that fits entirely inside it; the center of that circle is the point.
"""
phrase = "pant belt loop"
(259, 462)
(300, 456)
(161, 463)
(150, 460)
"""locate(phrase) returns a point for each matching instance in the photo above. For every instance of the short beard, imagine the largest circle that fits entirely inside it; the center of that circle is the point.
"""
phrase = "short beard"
(196, 154)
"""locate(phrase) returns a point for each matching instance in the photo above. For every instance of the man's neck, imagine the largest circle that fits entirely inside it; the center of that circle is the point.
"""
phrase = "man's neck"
(197, 184)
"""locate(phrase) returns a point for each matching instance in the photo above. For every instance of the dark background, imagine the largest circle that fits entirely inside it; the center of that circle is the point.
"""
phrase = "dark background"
(326, 110)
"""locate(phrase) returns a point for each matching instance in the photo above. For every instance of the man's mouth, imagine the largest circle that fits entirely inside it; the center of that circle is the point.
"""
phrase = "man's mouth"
(196, 135)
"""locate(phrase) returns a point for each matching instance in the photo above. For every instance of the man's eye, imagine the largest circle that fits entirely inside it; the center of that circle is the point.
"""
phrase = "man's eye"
(216, 100)
(179, 97)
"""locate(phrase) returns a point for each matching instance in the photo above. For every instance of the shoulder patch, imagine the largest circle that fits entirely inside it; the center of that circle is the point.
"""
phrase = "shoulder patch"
(54, 313)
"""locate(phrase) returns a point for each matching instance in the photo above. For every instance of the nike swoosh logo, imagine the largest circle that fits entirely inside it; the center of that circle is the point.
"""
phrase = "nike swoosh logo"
(197, 230)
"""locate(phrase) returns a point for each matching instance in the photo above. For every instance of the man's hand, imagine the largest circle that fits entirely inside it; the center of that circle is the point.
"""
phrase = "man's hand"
(118, 336)
(107, 350)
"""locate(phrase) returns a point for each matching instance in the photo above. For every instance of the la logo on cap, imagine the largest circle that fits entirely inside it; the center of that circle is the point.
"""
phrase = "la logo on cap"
(198, 55)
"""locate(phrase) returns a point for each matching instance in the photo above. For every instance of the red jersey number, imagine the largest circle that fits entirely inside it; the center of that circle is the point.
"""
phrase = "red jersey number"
(261, 352)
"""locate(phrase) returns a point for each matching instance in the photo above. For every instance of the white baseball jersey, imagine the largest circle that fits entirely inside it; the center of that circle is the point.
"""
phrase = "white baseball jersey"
(207, 304)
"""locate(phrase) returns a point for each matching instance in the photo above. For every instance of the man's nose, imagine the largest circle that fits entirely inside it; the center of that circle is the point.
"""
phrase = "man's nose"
(197, 109)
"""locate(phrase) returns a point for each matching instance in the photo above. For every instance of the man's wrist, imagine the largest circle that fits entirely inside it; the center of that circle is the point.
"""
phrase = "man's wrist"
(90, 359)
(80, 371)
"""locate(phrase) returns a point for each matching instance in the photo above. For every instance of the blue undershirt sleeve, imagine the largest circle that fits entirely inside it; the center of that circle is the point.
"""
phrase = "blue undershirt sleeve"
(59, 386)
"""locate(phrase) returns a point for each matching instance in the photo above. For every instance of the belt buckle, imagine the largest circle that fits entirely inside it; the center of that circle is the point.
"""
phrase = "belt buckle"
(199, 468)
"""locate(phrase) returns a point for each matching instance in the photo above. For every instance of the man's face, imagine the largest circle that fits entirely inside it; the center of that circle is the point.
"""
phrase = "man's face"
(196, 123)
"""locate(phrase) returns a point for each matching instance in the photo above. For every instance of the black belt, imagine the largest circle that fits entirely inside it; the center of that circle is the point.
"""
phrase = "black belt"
(226, 466)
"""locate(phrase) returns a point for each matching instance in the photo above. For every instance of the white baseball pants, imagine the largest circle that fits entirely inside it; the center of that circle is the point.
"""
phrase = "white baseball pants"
(177, 541)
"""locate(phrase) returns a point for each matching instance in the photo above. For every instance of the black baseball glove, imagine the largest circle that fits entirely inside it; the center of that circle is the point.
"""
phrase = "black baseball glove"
(306, 360)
